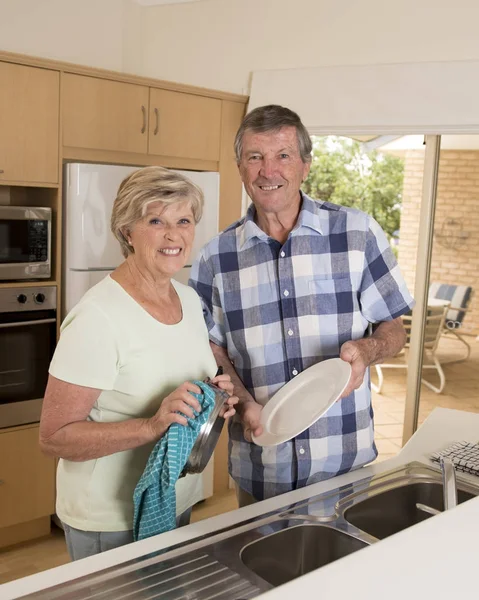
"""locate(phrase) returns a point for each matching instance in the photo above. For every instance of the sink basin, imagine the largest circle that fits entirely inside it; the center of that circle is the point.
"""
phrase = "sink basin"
(282, 556)
(253, 556)
(391, 511)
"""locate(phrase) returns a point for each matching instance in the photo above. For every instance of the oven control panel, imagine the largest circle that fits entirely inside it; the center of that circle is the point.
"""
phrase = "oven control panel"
(28, 298)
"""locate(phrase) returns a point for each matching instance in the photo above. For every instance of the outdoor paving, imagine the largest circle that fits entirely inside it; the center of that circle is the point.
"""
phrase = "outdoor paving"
(461, 392)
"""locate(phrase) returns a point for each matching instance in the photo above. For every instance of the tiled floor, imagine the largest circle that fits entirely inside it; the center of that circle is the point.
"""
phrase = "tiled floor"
(461, 392)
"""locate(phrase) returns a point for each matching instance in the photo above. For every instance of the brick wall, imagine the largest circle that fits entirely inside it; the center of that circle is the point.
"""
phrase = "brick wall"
(455, 257)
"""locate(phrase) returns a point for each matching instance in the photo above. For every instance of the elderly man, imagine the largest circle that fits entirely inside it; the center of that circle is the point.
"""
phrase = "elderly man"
(293, 283)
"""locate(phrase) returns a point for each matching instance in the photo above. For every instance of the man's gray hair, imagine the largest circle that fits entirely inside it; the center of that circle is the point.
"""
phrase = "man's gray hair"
(272, 118)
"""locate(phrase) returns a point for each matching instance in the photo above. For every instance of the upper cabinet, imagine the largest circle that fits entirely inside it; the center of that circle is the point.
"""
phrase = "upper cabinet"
(101, 114)
(29, 108)
(184, 125)
(104, 115)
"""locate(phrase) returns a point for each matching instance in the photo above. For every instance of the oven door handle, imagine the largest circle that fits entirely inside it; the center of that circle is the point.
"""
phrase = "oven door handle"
(21, 323)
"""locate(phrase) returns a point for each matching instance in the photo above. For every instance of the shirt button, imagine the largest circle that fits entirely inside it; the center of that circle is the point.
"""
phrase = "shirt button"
(283, 254)
(285, 293)
(295, 372)
(290, 332)
(301, 450)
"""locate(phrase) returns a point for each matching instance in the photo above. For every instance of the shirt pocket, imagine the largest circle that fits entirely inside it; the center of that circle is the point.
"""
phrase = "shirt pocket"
(332, 296)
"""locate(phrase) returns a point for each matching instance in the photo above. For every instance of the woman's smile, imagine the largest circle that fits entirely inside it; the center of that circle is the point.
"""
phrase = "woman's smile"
(170, 251)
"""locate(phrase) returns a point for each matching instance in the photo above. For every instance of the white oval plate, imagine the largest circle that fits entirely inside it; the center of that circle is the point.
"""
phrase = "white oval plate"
(302, 401)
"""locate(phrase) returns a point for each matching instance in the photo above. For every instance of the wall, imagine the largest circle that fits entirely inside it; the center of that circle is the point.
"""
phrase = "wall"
(458, 184)
(411, 206)
(218, 43)
(88, 32)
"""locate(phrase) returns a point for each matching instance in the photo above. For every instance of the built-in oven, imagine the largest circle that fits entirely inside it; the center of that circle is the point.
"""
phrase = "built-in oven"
(27, 340)
(25, 242)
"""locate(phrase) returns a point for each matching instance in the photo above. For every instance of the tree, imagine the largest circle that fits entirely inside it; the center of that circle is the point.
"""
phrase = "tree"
(341, 172)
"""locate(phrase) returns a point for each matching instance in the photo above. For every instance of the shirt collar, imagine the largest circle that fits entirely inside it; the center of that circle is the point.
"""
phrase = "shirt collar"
(250, 232)
(311, 215)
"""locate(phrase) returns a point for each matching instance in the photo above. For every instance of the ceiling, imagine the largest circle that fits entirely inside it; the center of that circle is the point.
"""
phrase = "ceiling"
(158, 2)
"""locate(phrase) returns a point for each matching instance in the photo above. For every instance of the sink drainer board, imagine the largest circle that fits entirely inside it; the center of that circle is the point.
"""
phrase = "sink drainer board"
(252, 557)
(198, 576)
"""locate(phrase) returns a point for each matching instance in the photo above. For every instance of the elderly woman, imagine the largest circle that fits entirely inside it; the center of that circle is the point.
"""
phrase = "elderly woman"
(121, 371)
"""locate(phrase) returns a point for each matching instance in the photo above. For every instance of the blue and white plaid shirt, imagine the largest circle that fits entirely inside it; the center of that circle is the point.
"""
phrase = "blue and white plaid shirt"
(278, 309)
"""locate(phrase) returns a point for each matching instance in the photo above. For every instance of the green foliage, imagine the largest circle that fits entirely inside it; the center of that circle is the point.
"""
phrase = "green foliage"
(341, 172)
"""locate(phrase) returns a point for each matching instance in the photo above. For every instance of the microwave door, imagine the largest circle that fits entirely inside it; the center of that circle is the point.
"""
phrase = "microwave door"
(25, 242)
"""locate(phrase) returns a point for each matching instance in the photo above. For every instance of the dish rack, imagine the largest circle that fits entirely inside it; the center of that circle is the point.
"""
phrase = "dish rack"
(464, 455)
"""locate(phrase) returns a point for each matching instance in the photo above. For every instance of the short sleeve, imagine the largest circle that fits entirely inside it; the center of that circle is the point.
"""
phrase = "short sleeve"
(383, 293)
(87, 352)
(202, 280)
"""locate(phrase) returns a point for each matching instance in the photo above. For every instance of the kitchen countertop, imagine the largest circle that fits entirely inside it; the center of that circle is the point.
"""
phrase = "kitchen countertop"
(438, 555)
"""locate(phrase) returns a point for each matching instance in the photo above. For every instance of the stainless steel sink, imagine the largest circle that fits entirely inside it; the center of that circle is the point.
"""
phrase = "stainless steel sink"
(282, 556)
(252, 557)
(391, 511)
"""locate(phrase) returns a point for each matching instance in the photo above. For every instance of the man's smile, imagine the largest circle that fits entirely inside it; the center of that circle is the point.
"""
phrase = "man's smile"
(269, 188)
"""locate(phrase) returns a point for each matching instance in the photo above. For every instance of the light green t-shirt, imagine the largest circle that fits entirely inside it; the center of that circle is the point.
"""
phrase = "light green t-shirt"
(108, 341)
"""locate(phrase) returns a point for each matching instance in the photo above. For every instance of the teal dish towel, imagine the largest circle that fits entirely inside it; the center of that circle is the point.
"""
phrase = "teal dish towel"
(154, 497)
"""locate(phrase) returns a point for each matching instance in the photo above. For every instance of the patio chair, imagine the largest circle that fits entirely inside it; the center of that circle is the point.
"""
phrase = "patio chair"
(436, 316)
(459, 297)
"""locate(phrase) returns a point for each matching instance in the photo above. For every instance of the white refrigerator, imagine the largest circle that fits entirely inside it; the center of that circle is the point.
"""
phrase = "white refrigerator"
(91, 251)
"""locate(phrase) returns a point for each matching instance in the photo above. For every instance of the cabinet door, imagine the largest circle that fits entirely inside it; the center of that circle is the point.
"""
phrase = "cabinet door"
(27, 477)
(104, 115)
(184, 125)
(29, 115)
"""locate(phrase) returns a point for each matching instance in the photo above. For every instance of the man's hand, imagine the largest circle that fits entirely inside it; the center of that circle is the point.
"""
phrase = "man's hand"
(387, 340)
(357, 355)
(250, 414)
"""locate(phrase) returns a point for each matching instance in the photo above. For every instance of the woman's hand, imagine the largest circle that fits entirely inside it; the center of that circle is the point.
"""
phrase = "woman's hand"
(224, 383)
(175, 408)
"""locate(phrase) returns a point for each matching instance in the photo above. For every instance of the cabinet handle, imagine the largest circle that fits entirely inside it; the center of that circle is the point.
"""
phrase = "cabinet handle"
(157, 115)
(2, 171)
(2, 481)
(143, 110)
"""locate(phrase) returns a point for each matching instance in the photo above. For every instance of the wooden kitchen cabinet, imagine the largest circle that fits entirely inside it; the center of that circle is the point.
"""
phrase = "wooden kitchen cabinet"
(27, 477)
(29, 120)
(184, 125)
(104, 115)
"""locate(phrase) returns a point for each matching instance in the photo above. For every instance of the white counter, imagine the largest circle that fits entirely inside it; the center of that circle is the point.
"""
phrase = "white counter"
(437, 557)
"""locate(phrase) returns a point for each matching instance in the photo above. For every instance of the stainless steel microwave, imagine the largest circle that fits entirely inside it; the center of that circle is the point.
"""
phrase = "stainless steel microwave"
(25, 243)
